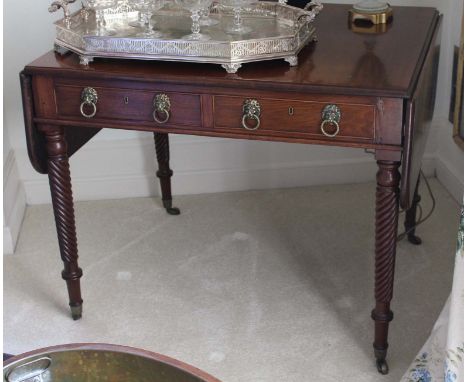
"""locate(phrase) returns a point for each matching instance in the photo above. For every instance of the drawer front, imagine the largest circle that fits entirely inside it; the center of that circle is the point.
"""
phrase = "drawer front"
(114, 104)
(296, 118)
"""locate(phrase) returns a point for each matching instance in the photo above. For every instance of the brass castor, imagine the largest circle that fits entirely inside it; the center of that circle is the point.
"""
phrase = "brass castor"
(76, 311)
(169, 209)
(382, 366)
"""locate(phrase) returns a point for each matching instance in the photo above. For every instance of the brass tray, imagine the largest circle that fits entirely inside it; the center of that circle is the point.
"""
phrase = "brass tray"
(99, 362)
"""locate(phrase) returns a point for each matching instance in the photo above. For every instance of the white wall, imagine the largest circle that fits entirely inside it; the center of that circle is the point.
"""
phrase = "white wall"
(121, 164)
(449, 164)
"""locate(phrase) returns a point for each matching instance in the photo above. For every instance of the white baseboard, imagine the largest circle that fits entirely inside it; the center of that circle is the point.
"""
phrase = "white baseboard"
(8, 245)
(209, 181)
(14, 203)
(123, 169)
(452, 181)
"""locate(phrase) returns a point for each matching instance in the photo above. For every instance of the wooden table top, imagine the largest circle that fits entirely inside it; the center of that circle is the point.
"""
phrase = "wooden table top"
(341, 62)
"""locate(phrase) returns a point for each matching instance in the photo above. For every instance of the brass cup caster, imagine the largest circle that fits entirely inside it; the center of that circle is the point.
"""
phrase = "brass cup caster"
(76, 311)
(169, 209)
(382, 366)
(413, 239)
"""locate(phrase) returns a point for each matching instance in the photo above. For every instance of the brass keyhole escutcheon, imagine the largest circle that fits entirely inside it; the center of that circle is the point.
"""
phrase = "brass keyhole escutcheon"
(290, 110)
(126, 100)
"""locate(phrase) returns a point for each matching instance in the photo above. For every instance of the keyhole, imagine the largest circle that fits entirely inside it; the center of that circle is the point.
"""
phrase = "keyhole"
(126, 100)
(291, 110)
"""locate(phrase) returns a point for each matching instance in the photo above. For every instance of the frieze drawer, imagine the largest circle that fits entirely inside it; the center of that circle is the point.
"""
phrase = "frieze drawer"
(309, 119)
(161, 108)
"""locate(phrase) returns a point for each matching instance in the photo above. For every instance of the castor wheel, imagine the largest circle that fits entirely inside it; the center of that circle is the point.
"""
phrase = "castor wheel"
(169, 209)
(413, 239)
(382, 366)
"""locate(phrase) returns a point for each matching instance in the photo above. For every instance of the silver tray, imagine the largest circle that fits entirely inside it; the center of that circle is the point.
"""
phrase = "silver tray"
(279, 31)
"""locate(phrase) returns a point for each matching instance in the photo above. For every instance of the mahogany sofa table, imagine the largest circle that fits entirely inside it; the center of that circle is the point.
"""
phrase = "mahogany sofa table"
(379, 90)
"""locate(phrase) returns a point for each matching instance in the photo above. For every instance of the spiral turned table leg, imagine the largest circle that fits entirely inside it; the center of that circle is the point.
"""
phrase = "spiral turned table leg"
(164, 173)
(410, 218)
(62, 201)
(386, 224)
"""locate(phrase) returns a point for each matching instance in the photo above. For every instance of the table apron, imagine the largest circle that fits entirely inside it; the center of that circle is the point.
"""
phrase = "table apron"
(44, 123)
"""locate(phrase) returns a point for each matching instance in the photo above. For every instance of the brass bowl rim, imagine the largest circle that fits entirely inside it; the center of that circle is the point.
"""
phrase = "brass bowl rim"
(205, 377)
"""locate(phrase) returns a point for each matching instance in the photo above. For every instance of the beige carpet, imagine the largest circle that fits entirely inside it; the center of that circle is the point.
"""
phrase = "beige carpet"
(254, 286)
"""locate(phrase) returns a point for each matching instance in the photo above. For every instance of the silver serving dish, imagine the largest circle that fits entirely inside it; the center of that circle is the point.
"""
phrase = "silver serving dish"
(279, 31)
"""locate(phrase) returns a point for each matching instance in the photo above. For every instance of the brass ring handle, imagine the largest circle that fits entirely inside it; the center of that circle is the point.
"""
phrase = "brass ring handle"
(254, 117)
(333, 122)
(161, 104)
(251, 109)
(331, 115)
(83, 113)
(167, 115)
(89, 96)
